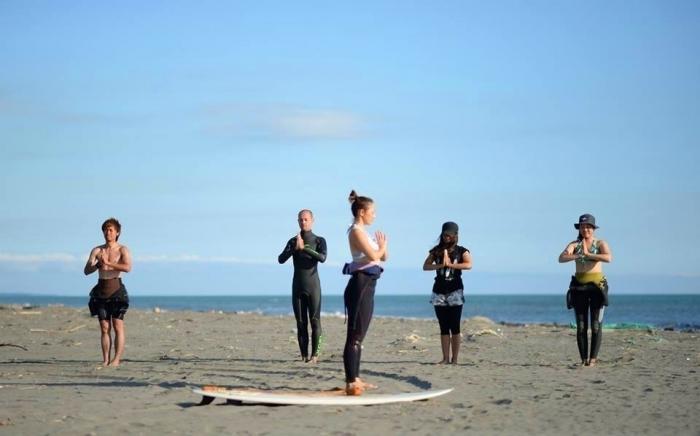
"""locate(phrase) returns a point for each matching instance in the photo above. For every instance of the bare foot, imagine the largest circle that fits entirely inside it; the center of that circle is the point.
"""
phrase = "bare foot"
(365, 385)
(443, 362)
(354, 389)
(453, 362)
(114, 363)
(313, 360)
(592, 362)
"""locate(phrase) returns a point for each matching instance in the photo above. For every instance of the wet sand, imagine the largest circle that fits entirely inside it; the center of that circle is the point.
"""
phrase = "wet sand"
(510, 379)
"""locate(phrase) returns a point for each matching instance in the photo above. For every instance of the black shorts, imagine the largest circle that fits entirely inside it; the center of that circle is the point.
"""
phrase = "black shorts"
(108, 309)
(114, 307)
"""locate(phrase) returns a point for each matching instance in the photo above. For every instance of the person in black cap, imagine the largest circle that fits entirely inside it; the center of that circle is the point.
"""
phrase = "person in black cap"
(588, 290)
(448, 260)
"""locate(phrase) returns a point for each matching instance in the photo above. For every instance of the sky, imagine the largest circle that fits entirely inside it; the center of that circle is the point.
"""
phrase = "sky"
(204, 128)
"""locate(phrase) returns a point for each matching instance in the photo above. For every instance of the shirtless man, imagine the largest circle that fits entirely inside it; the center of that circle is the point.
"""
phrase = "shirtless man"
(109, 299)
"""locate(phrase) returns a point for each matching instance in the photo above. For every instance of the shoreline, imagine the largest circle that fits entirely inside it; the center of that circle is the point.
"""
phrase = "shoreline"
(685, 328)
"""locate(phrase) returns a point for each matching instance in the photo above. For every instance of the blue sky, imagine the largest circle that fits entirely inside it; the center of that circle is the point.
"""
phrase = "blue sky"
(205, 128)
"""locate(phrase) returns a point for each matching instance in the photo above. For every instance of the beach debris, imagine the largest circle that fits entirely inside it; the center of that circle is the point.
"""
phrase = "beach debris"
(13, 345)
(156, 310)
(410, 339)
(76, 328)
(480, 319)
(485, 332)
(38, 330)
(29, 312)
(4, 422)
(503, 402)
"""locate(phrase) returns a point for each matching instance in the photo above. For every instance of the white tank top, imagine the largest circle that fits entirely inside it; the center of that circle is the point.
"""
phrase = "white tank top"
(357, 255)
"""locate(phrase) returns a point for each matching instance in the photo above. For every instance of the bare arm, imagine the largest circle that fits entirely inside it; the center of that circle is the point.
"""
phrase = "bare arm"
(605, 254)
(92, 263)
(466, 262)
(430, 265)
(359, 241)
(568, 254)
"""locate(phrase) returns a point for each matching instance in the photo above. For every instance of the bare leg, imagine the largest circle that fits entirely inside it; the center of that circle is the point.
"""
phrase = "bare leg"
(119, 339)
(456, 340)
(445, 343)
(106, 340)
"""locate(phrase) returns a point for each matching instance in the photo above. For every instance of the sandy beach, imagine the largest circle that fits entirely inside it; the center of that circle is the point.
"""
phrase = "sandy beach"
(511, 379)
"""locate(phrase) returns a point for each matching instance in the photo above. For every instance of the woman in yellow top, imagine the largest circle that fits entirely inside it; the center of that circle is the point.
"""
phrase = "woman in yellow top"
(588, 290)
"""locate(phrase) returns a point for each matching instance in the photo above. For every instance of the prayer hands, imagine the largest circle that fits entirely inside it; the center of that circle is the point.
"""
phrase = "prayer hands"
(381, 239)
(446, 259)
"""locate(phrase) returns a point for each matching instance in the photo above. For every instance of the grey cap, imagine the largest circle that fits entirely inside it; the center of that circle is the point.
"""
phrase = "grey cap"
(586, 218)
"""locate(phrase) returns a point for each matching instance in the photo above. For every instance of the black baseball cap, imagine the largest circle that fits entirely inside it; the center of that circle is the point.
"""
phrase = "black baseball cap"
(450, 227)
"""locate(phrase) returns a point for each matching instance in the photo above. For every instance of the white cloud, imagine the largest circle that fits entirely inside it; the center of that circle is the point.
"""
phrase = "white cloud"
(37, 258)
(318, 124)
(283, 122)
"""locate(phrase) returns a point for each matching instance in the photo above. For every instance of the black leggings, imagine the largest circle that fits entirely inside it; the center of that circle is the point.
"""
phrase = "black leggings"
(307, 304)
(449, 318)
(588, 298)
(359, 303)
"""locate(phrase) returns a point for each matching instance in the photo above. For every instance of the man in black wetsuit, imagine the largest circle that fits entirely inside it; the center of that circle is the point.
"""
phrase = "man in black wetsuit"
(307, 250)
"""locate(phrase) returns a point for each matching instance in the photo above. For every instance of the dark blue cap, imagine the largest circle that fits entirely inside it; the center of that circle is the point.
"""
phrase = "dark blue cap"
(586, 218)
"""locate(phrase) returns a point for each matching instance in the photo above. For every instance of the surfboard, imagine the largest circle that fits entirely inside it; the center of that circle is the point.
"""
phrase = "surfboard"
(334, 397)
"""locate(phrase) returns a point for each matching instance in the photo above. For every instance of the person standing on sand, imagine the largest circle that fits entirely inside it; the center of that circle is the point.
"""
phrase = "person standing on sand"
(367, 254)
(109, 300)
(307, 250)
(588, 289)
(448, 260)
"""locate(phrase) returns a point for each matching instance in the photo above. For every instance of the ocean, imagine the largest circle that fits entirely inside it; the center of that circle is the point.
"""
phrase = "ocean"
(681, 312)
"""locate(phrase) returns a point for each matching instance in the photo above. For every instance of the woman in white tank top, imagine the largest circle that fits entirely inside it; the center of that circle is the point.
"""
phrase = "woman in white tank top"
(367, 255)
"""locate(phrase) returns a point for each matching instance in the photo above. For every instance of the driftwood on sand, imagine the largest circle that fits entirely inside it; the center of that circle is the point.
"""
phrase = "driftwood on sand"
(13, 345)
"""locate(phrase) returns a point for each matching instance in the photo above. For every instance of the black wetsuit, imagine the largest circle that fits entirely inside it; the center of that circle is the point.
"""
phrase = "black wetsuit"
(306, 288)
(588, 298)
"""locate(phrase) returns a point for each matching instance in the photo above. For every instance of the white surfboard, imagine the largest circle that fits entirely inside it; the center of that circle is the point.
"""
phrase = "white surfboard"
(323, 398)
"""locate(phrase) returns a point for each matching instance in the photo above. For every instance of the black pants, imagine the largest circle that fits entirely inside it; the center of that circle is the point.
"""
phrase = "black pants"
(588, 299)
(307, 307)
(449, 318)
(359, 303)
